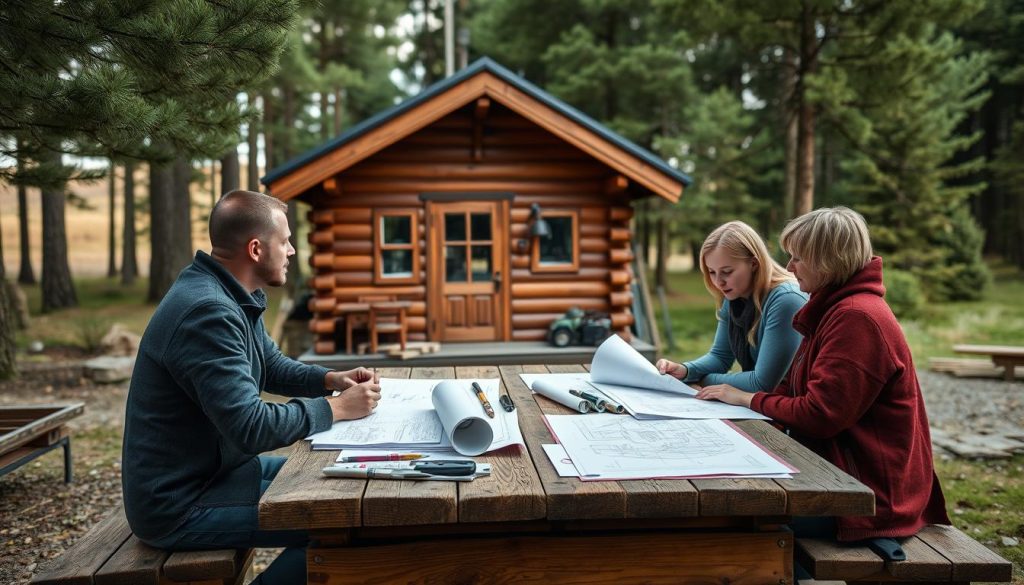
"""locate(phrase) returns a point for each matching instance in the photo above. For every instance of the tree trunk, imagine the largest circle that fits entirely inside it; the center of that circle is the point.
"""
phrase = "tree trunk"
(661, 272)
(129, 263)
(294, 267)
(25, 273)
(339, 110)
(805, 117)
(8, 365)
(229, 172)
(695, 247)
(789, 72)
(269, 155)
(58, 289)
(213, 183)
(325, 129)
(252, 138)
(171, 235)
(111, 238)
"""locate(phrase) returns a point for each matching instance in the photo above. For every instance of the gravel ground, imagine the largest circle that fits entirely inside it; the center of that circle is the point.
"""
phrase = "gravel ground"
(40, 516)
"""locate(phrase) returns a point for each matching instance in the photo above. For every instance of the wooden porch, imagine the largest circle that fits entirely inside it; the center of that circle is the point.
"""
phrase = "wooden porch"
(474, 354)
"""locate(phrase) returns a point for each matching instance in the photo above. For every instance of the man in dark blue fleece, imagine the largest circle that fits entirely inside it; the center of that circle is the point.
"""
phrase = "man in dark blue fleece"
(195, 424)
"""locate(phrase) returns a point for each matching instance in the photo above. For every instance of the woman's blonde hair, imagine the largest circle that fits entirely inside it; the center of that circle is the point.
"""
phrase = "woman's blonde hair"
(743, 243)
(832, 241)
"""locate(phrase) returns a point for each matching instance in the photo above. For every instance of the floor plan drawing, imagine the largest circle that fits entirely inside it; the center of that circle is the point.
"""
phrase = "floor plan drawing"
(610, 446)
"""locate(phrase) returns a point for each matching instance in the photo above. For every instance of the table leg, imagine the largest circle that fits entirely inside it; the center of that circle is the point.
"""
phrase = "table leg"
(67, 459)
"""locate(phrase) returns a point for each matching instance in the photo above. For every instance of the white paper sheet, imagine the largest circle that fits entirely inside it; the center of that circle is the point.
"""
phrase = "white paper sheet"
(608, 446)
(403, 417)
(645, 404)
(560, 459)
(650, 404)
(616, 362)
(408, 418)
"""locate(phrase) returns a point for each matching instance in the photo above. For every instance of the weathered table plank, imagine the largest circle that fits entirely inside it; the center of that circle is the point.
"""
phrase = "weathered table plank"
(514, 491)
(395, 502)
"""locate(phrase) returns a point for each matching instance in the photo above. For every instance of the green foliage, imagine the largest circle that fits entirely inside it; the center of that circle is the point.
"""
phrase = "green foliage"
(89, 331)
(903, 293)
(118, 77)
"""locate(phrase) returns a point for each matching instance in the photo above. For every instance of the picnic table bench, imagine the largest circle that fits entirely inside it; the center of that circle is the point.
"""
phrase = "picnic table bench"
(28, 431)
(936, 554)
(109, 554)
(1006, 356)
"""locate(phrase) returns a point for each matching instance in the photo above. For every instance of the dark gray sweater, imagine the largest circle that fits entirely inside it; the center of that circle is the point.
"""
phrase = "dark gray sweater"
(195, 421)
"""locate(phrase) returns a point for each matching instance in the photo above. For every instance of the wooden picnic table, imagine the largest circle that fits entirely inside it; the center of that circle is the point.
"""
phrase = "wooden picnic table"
(524, 522)
(1006, 356)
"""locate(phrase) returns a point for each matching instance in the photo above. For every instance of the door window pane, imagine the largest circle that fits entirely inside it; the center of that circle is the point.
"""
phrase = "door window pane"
(481, 264)
(481, 226)
(557, 249)
(396, 263)
(397, 229)
(455, 263)
(455, 227)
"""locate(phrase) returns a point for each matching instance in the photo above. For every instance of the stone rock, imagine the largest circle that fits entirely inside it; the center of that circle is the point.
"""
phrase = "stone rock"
(120, 342)
(1010, 541)
(109, 369)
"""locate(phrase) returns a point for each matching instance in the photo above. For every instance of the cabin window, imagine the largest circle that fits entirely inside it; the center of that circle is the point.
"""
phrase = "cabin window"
(559, 252)
(396, 246)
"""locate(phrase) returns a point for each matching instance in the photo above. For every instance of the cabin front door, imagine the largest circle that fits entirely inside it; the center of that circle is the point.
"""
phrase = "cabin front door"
(467, 270)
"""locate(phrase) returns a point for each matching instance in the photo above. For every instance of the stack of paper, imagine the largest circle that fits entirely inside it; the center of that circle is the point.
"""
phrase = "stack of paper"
(626, 377)
(424, 416)
(611, 447)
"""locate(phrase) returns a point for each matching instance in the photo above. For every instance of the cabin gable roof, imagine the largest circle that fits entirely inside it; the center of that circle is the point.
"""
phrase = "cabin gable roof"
(484, 78)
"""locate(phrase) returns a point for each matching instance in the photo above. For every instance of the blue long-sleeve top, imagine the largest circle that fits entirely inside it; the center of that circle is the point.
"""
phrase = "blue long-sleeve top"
(194, 421)
(775, 344)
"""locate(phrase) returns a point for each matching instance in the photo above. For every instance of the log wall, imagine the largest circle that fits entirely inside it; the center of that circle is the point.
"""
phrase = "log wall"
(506, 154)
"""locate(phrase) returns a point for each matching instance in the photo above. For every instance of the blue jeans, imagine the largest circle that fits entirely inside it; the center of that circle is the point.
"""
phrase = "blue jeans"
(214, 527)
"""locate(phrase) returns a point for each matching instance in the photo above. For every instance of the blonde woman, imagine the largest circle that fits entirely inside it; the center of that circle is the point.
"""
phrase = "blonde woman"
(756, 300)
(852, 395)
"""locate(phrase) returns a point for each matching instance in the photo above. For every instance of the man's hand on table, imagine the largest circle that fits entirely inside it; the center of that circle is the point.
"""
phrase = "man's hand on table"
(725, 393)
(360, 393)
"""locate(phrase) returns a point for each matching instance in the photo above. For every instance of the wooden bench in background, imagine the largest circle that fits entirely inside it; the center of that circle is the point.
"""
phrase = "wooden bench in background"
(26, 432)
(1006, 356)
(109, 554)
(969, 367)
(937, 554)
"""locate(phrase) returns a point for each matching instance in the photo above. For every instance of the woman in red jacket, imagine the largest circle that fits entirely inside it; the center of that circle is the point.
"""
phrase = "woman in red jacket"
(852, 394)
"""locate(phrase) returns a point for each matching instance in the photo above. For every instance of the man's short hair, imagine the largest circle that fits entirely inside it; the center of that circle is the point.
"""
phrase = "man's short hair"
(833, 241)
(241, 216)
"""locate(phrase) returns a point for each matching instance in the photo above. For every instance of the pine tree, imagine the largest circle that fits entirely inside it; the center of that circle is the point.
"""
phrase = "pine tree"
(902, 173)
(129, 263)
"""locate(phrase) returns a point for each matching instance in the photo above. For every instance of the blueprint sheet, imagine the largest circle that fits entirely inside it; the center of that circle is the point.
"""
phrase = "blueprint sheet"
(608, 446)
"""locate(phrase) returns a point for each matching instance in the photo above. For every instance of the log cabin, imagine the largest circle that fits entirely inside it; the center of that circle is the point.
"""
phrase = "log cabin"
(487, 204)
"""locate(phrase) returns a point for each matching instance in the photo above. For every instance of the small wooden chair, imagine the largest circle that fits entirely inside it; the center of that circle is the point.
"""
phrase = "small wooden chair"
(354, 320)
(387, 318)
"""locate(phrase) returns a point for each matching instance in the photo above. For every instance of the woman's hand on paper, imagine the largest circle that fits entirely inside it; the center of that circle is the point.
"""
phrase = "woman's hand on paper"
(725, 393)
(671, 368)
(355, 402)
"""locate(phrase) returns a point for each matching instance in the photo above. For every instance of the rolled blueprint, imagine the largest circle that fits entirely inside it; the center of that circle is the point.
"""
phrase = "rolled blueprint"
(462, 417)
(559, 392)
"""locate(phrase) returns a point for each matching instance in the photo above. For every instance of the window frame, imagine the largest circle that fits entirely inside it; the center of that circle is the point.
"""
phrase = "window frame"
(574, 266)
(379, 247)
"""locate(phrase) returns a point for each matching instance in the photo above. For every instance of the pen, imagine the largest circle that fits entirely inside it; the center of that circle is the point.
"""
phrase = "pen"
(375, 473)
(388, 457)
(483, 400)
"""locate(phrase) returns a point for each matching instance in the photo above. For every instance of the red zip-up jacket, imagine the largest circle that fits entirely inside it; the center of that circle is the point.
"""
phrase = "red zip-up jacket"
(852, 396)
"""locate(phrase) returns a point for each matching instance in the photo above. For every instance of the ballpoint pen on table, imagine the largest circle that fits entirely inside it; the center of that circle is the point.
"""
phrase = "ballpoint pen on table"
(387, 457)
(483, 399)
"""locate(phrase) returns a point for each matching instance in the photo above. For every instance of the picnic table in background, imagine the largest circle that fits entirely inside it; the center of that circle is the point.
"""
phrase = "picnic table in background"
(526, 522)
(28, 431)
(1007, 357)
